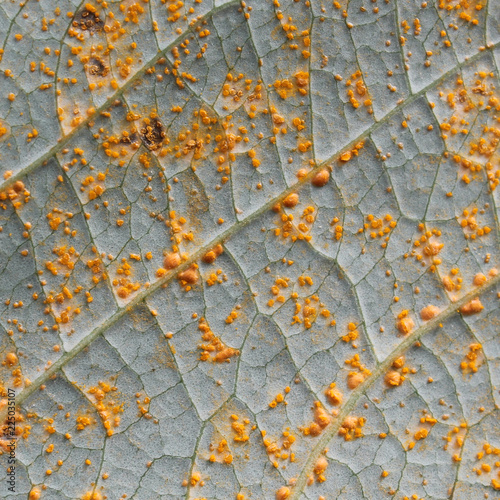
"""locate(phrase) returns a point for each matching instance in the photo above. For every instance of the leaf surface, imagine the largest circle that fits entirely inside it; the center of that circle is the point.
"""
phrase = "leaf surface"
(250, 249)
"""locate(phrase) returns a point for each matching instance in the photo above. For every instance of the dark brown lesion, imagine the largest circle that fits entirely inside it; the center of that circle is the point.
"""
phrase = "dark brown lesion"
(129, 139)
(152, 134)
(89, 21)
(97, 67)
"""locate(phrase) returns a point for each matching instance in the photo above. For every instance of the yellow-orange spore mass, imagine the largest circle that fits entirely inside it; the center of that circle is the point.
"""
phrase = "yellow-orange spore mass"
(393, 378)
(321, 178)
(334, 396)
(212, 255)
(321, 417)
(354, 379)
(283, 493)
(320, 466)
(429, 312)
(291, 200)
(171, 260)
(189, 276)
(225, 354)
(405, 324)
(123, 292)
(35, 494)
(472, 307)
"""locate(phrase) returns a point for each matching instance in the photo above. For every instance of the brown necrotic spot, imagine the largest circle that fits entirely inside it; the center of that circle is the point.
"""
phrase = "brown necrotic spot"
(152, 134)
(96, 67)
(130, 138)
(86, 20)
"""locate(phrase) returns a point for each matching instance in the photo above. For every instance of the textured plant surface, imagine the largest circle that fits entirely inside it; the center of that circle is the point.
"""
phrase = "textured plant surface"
(248, 250)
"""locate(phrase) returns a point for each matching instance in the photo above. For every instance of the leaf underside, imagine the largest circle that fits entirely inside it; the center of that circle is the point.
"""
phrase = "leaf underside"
(249, 250)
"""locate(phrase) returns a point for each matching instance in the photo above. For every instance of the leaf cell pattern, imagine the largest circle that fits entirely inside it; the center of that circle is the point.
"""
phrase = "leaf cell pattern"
(249, 250)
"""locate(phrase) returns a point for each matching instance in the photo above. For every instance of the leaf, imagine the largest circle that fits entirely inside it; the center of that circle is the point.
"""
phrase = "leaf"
(250, 249)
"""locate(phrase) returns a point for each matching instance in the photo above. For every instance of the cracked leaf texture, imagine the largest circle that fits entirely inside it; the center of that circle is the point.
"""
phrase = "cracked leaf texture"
(249, 250)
